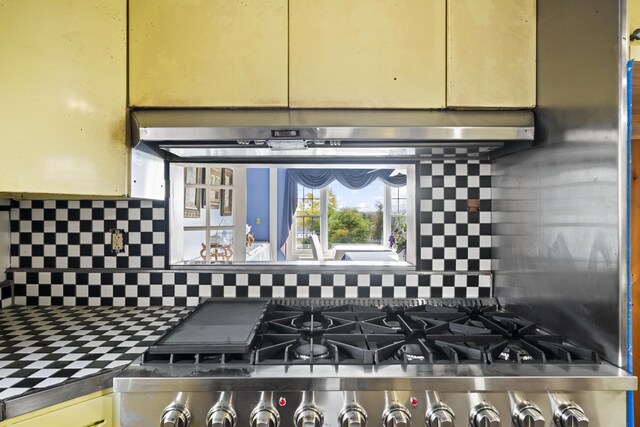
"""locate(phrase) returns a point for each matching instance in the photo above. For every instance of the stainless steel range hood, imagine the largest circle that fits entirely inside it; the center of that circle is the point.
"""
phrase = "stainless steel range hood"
(283, 135)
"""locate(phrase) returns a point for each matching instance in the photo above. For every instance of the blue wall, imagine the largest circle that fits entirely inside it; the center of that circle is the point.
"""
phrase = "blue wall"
(258, 202)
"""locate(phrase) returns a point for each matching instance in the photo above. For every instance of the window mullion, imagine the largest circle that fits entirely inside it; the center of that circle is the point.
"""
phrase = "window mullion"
(239, 203)
(324, 219)
(207, 216)
(386, 215)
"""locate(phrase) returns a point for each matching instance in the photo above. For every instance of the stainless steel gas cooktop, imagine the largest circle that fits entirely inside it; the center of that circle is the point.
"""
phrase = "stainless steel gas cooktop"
(348, 362)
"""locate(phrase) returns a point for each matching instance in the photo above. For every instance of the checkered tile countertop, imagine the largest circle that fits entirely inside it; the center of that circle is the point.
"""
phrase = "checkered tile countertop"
(42, 347)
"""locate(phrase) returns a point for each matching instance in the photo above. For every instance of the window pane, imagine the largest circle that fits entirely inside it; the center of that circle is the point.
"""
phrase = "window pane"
(402, 206)
(307, 207)
(299, 232)
(192, 175)
(394, 207)
(313, 226)
(215, 176)
(189, 175)
(193, 245)
(221, 245)
(355, 216)
(226, 207)
(402, 192)
(227, 176)
(218, 207)
(302, 235)
(194, 212)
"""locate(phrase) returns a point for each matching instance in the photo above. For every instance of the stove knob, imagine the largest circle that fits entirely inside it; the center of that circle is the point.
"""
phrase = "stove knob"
(440, 416)
(308, 415)
(265, 415)
(353, 415)
(396, 416)
(570, 415)
(221, 415)
(485, 415)
(176, 415)
(528, 415)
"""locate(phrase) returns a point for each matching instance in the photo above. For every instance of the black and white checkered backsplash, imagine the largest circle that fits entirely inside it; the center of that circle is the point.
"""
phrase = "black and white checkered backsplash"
(53, 239)
(451, 237)
(171, 288)
(76, 234)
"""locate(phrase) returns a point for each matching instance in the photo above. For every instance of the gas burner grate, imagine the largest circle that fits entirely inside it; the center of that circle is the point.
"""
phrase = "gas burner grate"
(300, 350)
(309, 322)
(392, 331)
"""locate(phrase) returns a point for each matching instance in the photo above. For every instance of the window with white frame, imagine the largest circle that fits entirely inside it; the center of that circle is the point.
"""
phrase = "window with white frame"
(339, 215)
(212, 208)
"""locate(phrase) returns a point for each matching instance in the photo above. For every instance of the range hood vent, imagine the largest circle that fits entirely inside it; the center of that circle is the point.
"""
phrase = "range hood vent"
(284, 135)
(246, 133)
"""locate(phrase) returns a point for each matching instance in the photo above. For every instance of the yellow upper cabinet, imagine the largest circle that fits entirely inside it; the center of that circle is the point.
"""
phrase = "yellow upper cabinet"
(208, 53)
(63, 97)
(491, 53)
(367, 53)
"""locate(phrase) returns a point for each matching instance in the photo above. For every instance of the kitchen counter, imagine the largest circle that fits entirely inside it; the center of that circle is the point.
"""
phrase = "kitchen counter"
(52, 354)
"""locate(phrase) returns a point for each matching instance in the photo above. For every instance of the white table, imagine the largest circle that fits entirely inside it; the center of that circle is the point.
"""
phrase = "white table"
(342, 248)
(259, 251)
(386, 256)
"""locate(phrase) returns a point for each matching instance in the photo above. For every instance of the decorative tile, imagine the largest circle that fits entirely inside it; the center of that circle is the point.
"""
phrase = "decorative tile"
(452, 237)
(76, 234)
(168, 287)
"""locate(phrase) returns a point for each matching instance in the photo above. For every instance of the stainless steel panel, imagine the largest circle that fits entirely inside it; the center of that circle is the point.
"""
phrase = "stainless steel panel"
(559, 209)
(604, 409)
(382, 125)
(399, 152)
(448, 377)
(147, 174)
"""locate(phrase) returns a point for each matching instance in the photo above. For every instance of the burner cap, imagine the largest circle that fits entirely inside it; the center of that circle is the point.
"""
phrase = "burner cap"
(309, 324)
(315, 322)
(412, 352)
(306, 351)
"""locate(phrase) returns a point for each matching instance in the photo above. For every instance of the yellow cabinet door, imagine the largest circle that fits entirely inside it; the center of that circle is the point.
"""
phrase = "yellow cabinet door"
(491, 53)
(208, 53)
(96, 412)
(63, 97)
(367, 53)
